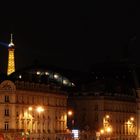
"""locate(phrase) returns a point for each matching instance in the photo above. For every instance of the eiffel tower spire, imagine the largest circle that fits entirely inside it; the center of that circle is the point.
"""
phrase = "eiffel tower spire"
(11, 41)
(11, 59)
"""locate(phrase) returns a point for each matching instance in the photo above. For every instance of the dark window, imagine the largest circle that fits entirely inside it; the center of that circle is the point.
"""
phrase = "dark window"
(6, 125)
(6, 113)
(17, 114)
(6, 98)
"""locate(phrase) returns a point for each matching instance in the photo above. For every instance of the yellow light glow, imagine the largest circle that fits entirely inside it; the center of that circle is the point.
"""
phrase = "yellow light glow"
(40, 109)
(25, 114)
(132, 118)
(102, 131)
(30, 108)
(107, 116)
(65, 117)
(70, 113)
(108, 129)
(128, 122)
(11, 61)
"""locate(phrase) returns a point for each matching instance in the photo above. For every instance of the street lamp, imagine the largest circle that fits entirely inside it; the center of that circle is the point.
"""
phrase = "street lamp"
(107, 116)
(39, 109)
(107, 126)
(130, 125)
(106, 130)
(70, 113)
(27, 122)
(71, 117)
(132, 119)
(30, 108)
(102, 131)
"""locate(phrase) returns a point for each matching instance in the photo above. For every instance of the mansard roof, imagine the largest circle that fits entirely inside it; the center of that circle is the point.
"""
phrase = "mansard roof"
(42, 75)
(112, 79)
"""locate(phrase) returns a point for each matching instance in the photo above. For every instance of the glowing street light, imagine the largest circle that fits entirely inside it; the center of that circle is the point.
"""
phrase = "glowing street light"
(56, 76)
(108, 129)
(65, 82)
(70, 117)
(40, 109)
(130, 124)
(38, 72)
(70, 113)
(102, 131)
(107, 116)
(46, 73)
(132, 119)
(30, 108)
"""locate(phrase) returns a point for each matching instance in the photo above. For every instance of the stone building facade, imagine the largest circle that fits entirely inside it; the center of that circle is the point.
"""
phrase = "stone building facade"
(32, 111)
(90, 115)
(108, 103)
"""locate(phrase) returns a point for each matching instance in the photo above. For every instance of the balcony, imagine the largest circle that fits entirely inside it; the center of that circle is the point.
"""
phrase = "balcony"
(11, 130)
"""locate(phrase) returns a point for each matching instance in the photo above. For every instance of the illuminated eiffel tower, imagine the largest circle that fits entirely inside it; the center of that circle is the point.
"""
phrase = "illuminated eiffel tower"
(11, 59)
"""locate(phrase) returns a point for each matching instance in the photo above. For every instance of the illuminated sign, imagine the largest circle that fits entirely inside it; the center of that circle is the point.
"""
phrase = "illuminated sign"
(75, 133)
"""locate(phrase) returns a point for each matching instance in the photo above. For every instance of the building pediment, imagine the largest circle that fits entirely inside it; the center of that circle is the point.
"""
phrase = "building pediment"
(7, 85)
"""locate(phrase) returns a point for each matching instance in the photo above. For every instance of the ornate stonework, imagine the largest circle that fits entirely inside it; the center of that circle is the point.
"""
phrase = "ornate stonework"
(7, 85)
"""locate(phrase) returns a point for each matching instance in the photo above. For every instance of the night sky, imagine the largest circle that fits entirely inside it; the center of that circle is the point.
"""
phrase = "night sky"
(71, 35)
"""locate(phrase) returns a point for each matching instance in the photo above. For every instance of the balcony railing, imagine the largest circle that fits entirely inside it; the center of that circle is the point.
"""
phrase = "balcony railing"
(11, 130)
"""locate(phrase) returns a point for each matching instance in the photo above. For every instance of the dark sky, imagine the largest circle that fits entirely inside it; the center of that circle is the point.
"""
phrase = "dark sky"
(71, 35)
